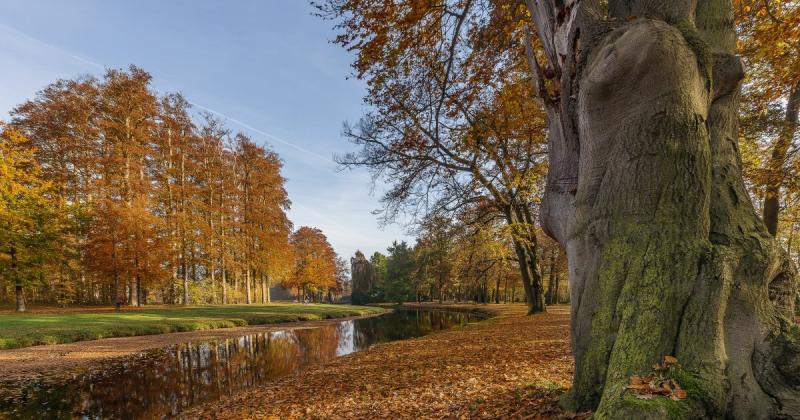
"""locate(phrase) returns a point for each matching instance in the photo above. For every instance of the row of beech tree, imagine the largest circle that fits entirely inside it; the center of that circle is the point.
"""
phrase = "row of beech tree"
(454, 261)
(114, 194)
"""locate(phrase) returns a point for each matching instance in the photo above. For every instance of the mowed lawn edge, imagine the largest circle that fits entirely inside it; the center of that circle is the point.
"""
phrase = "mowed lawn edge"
(25, 330)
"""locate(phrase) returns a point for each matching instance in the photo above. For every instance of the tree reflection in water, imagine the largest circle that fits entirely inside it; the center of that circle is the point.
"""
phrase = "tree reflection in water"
(163, 382)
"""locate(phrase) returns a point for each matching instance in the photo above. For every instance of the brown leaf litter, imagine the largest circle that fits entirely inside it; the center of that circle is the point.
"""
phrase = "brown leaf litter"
(511, 366)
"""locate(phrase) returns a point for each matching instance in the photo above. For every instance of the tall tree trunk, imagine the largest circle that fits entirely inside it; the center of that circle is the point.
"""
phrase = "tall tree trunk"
(224, 285)
(263, 289)
(497, 290)
(666, 253)
(115, 282)
(133, 292)
(19, 296)
(531, 280)
(173, 294)
(525, 244)
(185, 273)
(777, 162)
(552, 283)
(140, 293)
(213, 284)
(247, 285)
(236, 286)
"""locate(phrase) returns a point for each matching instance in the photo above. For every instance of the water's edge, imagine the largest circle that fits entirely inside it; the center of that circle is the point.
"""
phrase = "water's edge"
(163, 382)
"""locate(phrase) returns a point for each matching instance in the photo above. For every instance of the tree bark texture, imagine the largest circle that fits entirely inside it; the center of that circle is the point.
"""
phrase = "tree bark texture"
(667, 255)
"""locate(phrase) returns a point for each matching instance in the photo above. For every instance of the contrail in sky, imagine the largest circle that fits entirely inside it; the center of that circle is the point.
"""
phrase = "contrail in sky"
(263, 133)
(84, 60)
(51, 46)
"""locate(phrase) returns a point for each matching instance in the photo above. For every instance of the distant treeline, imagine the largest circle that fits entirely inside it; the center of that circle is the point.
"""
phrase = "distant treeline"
(454, 262)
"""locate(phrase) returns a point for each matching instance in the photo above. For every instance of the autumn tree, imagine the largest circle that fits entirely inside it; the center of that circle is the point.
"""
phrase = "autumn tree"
(554, 262)
(455, 118)
(127, 110)
(480, 252)
(30, 215)
(768, 40)
(212, 161)
(315, 269)
(61, 123)
(667, 255)
(436, 255)
(159, 200)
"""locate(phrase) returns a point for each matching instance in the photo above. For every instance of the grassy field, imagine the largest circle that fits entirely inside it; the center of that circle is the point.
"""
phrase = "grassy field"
(23, 330)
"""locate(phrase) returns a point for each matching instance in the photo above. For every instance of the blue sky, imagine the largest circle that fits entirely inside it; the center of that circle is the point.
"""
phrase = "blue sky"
(266, 65)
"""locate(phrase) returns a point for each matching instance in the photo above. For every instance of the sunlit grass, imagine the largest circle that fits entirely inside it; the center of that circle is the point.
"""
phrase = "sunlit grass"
(23, 330)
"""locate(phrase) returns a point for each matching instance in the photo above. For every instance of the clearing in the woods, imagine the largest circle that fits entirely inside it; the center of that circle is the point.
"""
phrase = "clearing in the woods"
(510, 366)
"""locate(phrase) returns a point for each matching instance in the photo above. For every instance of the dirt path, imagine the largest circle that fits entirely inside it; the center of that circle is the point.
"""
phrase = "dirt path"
(66, 359)
(511, 366)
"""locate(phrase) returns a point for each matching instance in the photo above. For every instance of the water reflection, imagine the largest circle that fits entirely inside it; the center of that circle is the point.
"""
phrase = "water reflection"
(164, 382)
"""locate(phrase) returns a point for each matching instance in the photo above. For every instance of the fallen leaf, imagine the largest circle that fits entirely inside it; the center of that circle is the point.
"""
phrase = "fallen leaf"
(428, 377)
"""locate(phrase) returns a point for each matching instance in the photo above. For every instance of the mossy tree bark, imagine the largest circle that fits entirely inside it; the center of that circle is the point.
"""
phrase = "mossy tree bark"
(667, 255)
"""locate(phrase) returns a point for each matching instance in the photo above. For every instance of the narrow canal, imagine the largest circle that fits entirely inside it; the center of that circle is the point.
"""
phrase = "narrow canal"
(163, 382)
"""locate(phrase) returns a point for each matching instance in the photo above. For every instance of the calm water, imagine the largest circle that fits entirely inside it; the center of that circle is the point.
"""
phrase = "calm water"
(164, 382)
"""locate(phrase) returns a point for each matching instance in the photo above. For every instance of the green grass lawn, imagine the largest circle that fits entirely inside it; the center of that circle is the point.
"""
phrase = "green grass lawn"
(23, 330)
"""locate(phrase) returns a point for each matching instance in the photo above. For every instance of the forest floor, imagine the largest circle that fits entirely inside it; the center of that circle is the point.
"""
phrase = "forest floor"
(510, 366)
(48, 326)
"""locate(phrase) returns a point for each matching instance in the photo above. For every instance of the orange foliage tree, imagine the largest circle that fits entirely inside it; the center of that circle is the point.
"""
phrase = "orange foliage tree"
(315, 269)
(163, 204)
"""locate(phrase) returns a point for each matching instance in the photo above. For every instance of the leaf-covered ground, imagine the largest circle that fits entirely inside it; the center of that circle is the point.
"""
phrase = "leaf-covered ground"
(511, 366)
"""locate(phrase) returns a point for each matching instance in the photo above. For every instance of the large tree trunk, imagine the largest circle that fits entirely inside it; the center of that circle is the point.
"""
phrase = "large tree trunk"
(778, 161)
(667, 255)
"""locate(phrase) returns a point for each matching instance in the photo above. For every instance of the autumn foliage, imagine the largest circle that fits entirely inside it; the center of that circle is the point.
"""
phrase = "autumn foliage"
(115, 194)
(315, 270)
